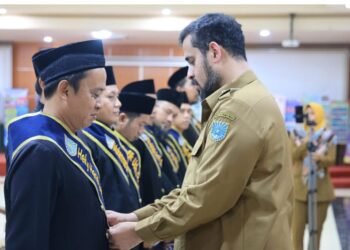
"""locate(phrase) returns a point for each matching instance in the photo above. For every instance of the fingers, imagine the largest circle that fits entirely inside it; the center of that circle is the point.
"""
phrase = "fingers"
(112, 244)
(111, 221)
(113, 218)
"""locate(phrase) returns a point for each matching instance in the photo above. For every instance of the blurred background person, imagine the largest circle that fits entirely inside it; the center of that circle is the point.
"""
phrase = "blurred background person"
(180, 124)
(107, 151)
(134, 114)
(315, 131)
(180, 82)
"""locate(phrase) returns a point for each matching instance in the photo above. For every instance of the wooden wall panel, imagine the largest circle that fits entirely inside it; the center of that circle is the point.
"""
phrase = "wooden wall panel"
(155, 50)
(122, 50)
(142, 50)
(23, 72)
(26, 79)
(178, 51)
(160, 75)
(125, 75)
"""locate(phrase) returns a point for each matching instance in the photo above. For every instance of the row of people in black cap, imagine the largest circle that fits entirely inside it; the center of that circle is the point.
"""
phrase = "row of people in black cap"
(179, 82)
(139, 159)
(91, 148)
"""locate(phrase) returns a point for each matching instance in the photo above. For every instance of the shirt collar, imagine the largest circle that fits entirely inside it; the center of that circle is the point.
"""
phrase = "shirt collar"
(209, 103)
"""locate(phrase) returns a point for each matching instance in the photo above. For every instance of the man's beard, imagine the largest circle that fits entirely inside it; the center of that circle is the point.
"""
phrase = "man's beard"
(213, 80)
(159, 132)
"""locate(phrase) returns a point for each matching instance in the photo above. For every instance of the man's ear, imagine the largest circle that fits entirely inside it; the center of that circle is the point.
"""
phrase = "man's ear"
(215, 52)
(123, 118)
(41, 84)
(64, 90)
(179, 89)
(42, 87)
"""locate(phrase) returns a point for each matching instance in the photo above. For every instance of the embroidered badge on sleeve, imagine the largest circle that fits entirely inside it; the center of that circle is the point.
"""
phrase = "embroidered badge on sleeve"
(218, 130)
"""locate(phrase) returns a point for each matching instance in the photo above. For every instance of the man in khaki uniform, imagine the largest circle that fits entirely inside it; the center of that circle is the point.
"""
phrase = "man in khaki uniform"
(237, 192)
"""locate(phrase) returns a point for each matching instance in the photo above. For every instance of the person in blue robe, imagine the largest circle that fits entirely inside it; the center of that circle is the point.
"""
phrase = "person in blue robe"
(52, 189)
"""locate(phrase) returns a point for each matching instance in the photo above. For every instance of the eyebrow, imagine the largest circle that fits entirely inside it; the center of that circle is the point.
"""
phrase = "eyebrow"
(98, 89)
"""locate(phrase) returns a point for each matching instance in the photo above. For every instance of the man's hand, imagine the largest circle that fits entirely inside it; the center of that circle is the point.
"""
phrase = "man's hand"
(114, 218)
(317, 157)
(122, 236)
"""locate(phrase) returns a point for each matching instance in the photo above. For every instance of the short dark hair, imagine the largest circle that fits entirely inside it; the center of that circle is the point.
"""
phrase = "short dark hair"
(39, 106)
(38, 89)
(216, 27)
(73, 81)
(132, 115)
(181, 83)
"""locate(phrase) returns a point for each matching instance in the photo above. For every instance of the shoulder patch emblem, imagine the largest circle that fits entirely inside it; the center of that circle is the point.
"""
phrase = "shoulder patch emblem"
(71, 146)
(109, 141)
(218, 130)
(181, 141)
(143, 137)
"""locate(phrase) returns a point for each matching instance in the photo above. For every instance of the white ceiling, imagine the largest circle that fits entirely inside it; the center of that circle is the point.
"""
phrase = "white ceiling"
(144, 23)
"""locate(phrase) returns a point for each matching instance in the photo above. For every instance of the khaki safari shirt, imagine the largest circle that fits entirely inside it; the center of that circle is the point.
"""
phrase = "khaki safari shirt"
(237, 192)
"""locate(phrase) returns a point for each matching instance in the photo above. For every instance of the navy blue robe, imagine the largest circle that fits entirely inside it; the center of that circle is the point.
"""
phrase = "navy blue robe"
(183, 149)
(151, 180)
(50, 204)
(134, 163)
(192, 133)
(171, 181)
(117, 190)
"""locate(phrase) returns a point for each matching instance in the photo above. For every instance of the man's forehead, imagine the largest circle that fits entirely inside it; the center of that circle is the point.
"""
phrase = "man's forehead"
(187, 45)
(94, 88)
(187, 41)
(167, 105)
(186, 106)
(111, 88)
(175, 109)
(144, 117)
